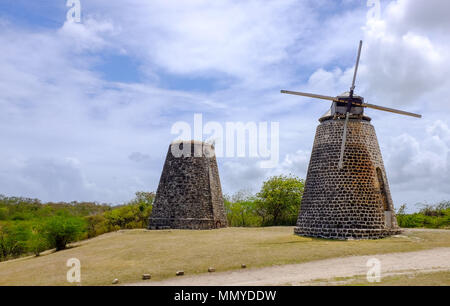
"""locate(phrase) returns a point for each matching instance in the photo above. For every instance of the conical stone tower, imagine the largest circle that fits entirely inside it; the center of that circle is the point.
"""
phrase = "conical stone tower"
(189, 194)
(349, 203)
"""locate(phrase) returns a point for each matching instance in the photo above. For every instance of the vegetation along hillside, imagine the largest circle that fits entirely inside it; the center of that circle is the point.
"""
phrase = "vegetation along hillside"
(29, 227)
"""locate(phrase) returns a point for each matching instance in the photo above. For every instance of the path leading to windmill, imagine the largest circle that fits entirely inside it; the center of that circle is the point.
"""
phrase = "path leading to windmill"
(297, 274)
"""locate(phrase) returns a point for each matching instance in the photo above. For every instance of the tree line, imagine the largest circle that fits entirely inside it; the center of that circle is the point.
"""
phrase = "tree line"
(430, 216)
(28, 226)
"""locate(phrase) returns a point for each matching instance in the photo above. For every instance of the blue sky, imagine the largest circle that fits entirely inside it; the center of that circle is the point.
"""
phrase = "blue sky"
(80, 101)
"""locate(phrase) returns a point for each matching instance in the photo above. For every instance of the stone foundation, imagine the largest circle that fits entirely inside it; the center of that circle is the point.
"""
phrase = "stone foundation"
(349, 203)
(187, 223)
(346, 234)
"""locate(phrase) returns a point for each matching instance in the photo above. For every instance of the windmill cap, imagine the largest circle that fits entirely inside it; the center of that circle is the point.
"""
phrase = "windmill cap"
(347, 95)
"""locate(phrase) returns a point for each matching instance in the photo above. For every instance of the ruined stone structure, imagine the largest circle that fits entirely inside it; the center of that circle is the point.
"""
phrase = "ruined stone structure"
(353, 202)
(189, 194)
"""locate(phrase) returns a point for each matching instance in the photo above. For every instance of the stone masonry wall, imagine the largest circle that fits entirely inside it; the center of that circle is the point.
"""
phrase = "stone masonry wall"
(352, 203)
(189, 194)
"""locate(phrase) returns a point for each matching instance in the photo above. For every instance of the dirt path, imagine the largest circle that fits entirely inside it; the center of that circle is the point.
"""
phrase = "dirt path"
(428, 260)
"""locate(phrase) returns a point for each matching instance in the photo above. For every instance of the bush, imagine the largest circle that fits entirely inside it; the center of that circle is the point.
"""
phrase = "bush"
(4, 213)
(13, 240)
(96, 226)
(61, 230)
(37, 242)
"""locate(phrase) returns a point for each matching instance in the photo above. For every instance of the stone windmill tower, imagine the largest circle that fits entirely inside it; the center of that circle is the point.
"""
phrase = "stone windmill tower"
(189, 194)
(346, 191)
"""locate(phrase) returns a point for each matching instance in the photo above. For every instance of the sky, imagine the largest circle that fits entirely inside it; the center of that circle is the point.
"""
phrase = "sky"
(87, 107)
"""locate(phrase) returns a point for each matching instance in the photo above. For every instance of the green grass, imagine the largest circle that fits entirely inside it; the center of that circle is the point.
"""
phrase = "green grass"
(440, 278)
(126, 255)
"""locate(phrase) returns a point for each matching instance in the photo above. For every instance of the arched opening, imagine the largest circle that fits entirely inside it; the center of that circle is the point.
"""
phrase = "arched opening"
(383, 194)
(384, 199)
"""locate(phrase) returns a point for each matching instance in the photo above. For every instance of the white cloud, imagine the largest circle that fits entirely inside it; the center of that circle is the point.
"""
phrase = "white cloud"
(241, 40)
(424, 163)
(49, 179)
(91, 35)
(429, 17)
(294, 164)
(138, 157)
(237, 175)
(55, 105)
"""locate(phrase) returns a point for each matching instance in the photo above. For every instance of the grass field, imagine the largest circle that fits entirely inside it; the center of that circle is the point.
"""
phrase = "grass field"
(408, 278)
(126, 255)
(415, 279)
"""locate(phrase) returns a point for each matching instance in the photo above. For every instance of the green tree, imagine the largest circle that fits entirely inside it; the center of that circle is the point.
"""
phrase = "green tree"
(61, 230)
(241, 210)
(279, 200)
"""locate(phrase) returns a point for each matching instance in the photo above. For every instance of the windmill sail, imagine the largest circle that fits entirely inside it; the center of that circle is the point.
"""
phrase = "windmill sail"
(352, 89)
(349, 107)
(391, 110)
(310, 95)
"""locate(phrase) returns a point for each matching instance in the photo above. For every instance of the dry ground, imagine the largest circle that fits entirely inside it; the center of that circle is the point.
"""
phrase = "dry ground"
(321, 272)
(126, 255)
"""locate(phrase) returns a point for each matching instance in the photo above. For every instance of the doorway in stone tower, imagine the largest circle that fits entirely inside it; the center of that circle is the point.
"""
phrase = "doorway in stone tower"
(383, 194)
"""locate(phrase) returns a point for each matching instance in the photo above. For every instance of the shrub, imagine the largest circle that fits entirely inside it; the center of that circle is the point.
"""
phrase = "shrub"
(96, 225)
(37, 242)
(13, 240)
(4, 212)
